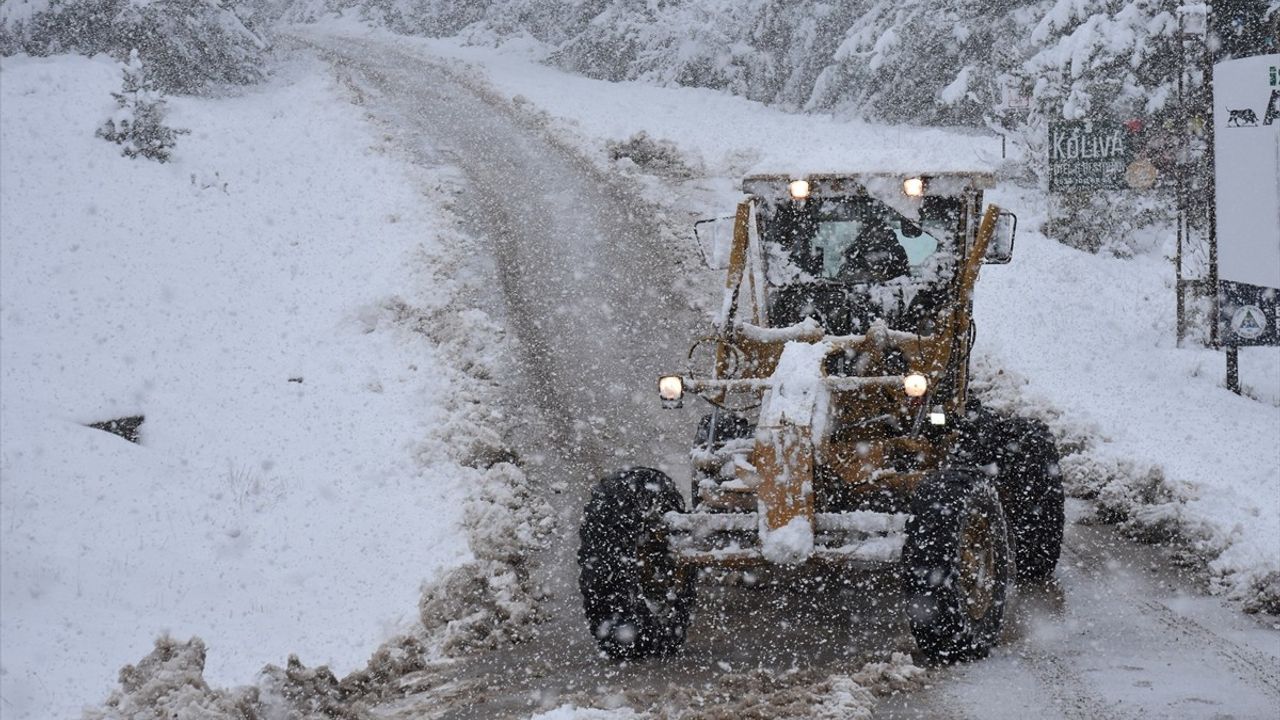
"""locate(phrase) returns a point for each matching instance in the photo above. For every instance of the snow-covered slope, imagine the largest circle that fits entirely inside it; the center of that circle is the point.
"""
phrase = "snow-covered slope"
(262, 300)
(1084, 341)
(1087, 343)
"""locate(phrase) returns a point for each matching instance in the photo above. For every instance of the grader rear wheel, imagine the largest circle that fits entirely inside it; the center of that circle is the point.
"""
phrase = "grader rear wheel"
(1032, 495)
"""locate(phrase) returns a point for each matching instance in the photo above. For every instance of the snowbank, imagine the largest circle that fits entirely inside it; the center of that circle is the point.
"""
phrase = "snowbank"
(1087, 343)
(756, 693)
(296, 479)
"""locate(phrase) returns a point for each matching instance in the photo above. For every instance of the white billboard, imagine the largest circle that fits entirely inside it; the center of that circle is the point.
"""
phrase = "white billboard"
(1246, 131)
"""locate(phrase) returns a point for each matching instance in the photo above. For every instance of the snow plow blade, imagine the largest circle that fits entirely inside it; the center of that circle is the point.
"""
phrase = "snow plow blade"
(732, 540)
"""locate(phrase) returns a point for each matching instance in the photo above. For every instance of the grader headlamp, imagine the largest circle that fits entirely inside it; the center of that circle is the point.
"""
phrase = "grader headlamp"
(799, 189)
(915, 385)
(671, 390)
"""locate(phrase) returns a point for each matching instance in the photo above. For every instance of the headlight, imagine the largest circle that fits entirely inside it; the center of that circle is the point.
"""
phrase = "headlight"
(671, 390)
(799, 189)
(915, 385)
(913, 187)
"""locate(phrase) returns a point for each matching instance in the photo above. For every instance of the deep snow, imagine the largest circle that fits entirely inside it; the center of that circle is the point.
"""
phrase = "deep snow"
(260, 299)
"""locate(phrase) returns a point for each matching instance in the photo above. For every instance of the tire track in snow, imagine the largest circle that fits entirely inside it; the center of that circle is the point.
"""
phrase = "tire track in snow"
(1251, 666)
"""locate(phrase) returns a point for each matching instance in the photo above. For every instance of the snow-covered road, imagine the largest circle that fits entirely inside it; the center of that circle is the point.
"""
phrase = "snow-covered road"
(580, 278)
(581, 274)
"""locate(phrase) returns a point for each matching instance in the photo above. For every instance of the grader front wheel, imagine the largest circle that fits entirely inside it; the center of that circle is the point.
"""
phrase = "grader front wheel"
(636, 599)
(957, 566)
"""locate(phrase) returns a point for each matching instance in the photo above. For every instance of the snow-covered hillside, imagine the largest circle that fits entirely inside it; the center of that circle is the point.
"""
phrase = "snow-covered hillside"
(930, 61)
(272, 301)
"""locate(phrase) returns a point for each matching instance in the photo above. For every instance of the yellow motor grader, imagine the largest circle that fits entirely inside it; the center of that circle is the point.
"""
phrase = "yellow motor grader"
(840, 429)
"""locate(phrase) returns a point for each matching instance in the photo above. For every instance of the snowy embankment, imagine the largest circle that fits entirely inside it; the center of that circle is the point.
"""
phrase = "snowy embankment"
(1148, 429)
(281, 303)
(1083, 341)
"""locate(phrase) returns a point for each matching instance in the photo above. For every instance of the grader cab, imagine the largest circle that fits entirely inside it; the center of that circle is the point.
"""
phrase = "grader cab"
(841, 430)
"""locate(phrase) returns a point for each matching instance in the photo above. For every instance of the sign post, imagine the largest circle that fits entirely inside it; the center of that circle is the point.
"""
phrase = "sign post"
(1246, 131)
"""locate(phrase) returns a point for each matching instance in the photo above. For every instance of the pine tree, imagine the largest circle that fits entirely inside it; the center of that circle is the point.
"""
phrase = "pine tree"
(138, 122)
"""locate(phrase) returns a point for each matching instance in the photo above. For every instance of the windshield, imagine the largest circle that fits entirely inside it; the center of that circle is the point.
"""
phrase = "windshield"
(847, 261)
(857, 240)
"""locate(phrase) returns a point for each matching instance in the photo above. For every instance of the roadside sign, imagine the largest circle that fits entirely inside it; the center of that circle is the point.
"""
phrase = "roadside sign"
(1085, 154)
(1246, 130)
(1248, 315)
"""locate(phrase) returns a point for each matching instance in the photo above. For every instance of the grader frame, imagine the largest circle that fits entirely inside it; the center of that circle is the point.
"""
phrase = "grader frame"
(864, 446)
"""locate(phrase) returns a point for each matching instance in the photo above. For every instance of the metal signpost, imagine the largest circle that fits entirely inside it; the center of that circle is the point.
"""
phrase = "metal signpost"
(1246, 132)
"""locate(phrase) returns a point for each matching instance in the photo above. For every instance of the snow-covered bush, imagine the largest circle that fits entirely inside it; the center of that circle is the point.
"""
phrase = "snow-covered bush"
(138, 122)
(187, 44)
(657, 156)
(1121, 223)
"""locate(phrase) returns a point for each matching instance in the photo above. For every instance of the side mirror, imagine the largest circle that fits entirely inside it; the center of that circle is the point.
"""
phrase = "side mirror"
(715, 241)
(1000, 248)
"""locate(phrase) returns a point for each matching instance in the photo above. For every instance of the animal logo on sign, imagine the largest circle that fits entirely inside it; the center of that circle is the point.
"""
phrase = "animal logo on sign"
(1241, 118)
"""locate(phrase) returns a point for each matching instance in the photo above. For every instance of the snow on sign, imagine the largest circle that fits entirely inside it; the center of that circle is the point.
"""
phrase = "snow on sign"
(1246, 128)
(1087, 154)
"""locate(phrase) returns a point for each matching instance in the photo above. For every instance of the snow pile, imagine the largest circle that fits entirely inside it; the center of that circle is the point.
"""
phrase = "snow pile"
(573, 712)
(491, 600)
(790, 544)
(168, 684)
(791, 694)
(897, 674)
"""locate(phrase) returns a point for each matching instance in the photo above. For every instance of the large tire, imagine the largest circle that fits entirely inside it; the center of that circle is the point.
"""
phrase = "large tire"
(1031, 490)
(957, 566)
(637, 600)
(1021, 456)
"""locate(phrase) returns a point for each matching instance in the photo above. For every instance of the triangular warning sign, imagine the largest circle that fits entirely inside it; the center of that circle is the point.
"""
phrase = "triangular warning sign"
(1248, 324)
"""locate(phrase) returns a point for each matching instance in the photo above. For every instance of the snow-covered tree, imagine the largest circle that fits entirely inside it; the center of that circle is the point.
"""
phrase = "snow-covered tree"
(920, 61)
(187, 44)
(138, 122)
(923, 61)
